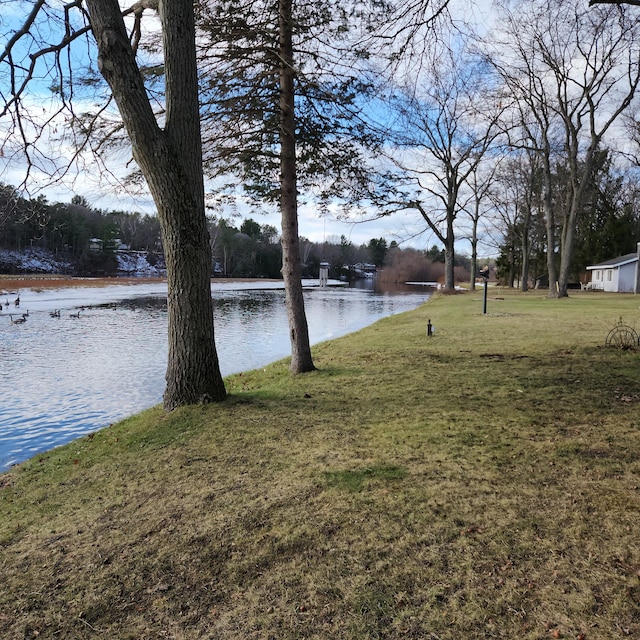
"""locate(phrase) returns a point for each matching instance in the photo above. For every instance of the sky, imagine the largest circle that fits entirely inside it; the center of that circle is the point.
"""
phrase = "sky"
(104, 192)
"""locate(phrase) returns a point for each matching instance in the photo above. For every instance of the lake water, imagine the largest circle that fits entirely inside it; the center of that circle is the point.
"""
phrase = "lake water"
(63, 377)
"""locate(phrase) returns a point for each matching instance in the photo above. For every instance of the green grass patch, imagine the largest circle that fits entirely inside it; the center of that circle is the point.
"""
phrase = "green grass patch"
(356, 479)
(480, 483)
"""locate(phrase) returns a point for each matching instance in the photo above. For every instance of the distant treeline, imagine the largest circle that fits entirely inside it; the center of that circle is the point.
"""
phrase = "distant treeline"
(89, 240)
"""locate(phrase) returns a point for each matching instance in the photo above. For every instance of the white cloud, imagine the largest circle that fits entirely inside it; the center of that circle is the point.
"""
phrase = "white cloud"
(106, 190)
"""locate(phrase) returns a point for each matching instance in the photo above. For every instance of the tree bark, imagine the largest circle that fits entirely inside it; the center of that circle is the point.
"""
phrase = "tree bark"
(474, 253)
(550, 223)
(301, 360)
(449, 255)
(580, 180)
(525, 248)
(171, 162)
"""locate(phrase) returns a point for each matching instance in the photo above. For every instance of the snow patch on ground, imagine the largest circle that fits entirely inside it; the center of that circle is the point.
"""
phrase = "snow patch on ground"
(32, 261)
(36, 260)
(136, 263)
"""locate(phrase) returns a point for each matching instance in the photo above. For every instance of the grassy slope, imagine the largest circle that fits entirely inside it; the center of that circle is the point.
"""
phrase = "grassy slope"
(482, 483)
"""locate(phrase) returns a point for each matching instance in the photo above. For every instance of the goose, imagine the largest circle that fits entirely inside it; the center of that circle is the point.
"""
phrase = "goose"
(17, 301)
(26, 314)
(17, 320)
(74, 315)
(55, 313)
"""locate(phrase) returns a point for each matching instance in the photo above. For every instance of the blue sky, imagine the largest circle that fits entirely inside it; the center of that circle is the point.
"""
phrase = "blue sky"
(102, 191)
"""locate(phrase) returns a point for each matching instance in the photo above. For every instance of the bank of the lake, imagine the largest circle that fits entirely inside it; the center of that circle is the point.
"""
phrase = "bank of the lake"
(88, 355)
(481, 483)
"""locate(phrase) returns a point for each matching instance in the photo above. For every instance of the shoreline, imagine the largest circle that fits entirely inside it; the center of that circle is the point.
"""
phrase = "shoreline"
(12, 283)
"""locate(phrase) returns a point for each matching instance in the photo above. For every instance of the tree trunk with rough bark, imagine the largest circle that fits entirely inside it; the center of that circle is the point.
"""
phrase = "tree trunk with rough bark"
(580, 180)
(301, 360)
(449, 248)
(525, 248)
(171, 162)
(550, 223)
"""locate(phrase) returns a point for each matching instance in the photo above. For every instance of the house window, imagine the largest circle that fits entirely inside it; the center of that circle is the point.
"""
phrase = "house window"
(609, 275)
(598, 275)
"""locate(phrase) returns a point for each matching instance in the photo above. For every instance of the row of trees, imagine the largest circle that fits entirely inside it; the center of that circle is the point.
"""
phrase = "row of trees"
(352, 104)
(67, 228)
(545, 96)
(608, 225)
(570, 75)
(245, 250)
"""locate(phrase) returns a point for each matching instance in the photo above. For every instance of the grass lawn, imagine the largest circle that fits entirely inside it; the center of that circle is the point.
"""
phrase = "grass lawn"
(480, 483)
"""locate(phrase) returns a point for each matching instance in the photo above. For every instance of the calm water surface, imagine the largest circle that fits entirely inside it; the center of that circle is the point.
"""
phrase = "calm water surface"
(64, 377)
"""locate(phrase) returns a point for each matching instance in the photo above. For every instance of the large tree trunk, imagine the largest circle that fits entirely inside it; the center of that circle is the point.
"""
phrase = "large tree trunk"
(550, 222)
(171, 162)
(524, 285)
(566, 253)
(525, 244)
(474, 245)
(449, 256)
(301, 360)
(579, 182)
(511, 279)
(474, 263)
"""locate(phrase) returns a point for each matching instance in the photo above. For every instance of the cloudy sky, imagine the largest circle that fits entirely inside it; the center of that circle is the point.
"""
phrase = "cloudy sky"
(104, 191)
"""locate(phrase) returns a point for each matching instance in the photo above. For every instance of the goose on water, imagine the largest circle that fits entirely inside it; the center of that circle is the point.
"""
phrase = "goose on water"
(17, 320)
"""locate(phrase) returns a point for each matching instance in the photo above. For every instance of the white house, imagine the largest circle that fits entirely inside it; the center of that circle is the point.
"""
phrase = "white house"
(618, 274)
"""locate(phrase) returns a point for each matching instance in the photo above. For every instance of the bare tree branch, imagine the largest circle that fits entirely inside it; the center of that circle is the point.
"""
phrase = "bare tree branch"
(634, 2)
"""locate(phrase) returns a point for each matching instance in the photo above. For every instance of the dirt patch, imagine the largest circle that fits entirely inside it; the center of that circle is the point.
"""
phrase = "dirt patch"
(501, 356)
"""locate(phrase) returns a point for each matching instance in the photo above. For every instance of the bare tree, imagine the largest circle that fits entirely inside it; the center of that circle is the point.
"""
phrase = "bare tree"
(480, 182)
(169, 156)
(516, 194)
(573, 72)
(443, 131)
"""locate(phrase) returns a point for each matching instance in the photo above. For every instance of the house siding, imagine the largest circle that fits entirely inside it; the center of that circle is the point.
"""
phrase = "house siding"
(615, 280)
(616, 276)
(626, 278)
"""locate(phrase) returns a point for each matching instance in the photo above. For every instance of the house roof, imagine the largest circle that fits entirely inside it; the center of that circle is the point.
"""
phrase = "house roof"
(616, 262)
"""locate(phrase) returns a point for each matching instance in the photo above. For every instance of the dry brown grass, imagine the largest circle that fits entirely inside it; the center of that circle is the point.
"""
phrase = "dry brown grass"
(484, 483)
(38, 282)
(13, 284)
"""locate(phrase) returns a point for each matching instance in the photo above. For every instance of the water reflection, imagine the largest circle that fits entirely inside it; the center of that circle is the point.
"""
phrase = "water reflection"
(64, 377)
